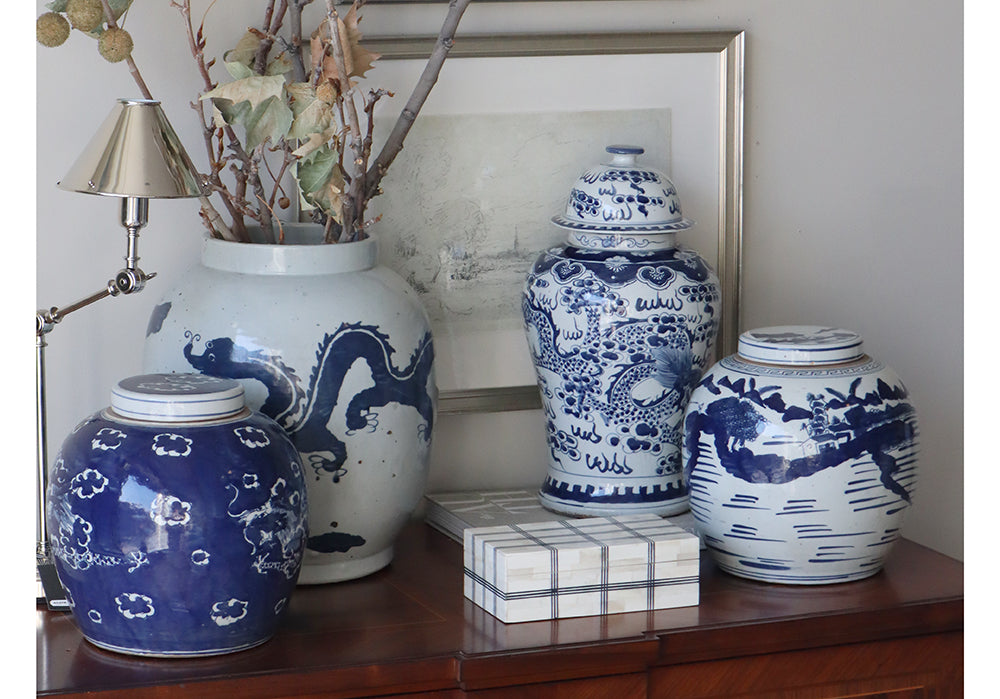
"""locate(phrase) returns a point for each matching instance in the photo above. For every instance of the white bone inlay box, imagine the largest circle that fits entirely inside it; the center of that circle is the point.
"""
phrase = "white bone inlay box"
(581, 567)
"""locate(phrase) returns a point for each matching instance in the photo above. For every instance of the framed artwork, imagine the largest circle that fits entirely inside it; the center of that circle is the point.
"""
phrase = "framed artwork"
(509, 126)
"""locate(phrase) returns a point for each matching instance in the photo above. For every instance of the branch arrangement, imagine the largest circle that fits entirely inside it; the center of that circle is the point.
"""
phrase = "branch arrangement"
(292, 106)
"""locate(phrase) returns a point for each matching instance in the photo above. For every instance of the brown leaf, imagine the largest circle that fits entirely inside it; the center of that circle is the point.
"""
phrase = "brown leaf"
(361, 59)
(357, 59)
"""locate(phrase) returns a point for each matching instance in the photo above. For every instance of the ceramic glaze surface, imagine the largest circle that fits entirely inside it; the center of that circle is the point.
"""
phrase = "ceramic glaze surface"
(800, 472)
(618, 340)
(337, 349)
(176, 537)
(622, 196)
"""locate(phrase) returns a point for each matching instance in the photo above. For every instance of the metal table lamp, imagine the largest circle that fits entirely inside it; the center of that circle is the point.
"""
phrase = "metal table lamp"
(135, 156)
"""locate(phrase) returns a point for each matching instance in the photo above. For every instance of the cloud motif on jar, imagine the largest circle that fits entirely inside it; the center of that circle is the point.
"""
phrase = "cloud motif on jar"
(200, 557)
(107, 439)
(252, 437)
(171, 445)
(73, 542)
(279, 605)
(132, 605)
(88, 483)
(250, 480)
(566, 270)
(95, 616)
(229, 612)
(658, 277)
(170, 511)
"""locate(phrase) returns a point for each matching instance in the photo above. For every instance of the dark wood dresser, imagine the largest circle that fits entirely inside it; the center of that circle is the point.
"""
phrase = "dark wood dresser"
(408, 631)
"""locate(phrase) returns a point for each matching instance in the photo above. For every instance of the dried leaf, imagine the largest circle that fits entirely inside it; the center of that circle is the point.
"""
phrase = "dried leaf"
(357, 59)
(245, 50)
(321, 182)
(312, 115)
(316, 141)
(269, 121)
(238, 70)
(253, 89)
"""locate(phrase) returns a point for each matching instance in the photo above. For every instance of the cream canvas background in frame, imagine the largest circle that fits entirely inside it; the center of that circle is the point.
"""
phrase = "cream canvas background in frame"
(494, 154)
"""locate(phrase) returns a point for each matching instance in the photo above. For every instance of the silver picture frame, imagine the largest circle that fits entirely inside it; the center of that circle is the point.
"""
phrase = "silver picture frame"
(728, 48)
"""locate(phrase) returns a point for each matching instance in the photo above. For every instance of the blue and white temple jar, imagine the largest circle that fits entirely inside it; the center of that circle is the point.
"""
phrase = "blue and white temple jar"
(620, 323)
(177, 518)
(801, 452)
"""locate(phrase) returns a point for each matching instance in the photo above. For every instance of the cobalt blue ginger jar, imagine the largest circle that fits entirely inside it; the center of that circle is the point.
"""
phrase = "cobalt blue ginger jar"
(177, 519)
(620, 321)
(801, 452)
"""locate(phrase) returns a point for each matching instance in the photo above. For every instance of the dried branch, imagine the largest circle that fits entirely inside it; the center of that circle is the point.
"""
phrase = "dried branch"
(295, 20)
(394, 144)
(353, 206)
(316, 124)
(218, 226)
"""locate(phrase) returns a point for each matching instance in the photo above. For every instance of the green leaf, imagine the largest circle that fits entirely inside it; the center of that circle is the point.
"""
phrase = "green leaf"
(314, 171)
(239, 70)
(269, 121)
(312, 116)
(321, 181)
(225, 113)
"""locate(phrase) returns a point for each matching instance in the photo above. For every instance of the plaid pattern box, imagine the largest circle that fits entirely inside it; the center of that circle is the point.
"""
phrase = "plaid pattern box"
(580, 567)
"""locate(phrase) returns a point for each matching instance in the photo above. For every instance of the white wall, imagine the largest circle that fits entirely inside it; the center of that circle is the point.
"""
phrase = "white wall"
(853, 202)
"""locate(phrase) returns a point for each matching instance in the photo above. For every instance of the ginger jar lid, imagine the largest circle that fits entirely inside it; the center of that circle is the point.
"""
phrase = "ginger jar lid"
(177, 398)
(800, 345)
(621, 196)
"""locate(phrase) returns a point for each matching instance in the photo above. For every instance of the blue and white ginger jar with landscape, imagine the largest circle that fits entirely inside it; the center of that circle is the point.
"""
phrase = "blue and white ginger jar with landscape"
(177, 518)
(620, 321)
(802, 457)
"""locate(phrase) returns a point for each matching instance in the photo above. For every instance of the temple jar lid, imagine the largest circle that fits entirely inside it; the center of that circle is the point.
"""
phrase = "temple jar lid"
(621, 196)
(179, 397)
(800, 345)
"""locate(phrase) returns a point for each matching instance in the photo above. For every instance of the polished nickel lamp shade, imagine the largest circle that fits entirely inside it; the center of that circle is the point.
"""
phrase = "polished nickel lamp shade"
(135, 153)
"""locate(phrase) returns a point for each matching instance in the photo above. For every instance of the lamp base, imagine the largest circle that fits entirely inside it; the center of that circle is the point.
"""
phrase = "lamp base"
(51, 592)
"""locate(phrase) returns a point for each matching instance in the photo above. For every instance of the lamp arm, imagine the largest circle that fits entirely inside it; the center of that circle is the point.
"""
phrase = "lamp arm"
(129, 280)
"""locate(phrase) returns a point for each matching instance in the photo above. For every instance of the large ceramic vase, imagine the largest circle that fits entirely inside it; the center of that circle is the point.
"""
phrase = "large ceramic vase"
(621, 322)
(337, 349)
(802, 454)
(177, 519)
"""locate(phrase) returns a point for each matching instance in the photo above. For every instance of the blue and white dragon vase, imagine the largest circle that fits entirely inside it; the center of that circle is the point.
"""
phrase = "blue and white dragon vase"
(337, 349)
(620, 322)
(177, 519)
(801, 452)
